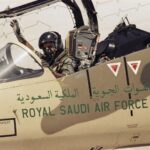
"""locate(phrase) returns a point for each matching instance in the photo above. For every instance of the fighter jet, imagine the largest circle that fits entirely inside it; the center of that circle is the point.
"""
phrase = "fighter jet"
(105, 105)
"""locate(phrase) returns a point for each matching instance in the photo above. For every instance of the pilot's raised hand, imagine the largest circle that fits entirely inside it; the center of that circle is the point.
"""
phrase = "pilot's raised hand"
(15, 25)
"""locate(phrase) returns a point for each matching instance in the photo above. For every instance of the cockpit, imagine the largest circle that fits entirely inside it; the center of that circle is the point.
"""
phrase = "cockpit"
(80, 42)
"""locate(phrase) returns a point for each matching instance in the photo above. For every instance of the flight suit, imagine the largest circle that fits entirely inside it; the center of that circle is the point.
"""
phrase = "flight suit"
(65, 66)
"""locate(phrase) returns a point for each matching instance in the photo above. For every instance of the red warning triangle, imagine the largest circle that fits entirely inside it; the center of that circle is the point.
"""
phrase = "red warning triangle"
(134, 65)
(114, 67)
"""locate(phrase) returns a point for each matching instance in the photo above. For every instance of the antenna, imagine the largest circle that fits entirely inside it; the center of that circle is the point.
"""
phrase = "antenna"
(126, 18)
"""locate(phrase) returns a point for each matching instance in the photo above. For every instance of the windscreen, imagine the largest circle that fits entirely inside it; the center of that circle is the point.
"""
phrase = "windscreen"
(16, 63)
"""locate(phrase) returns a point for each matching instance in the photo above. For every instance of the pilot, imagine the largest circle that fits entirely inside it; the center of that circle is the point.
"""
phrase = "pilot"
(54, 53)
(52, 46)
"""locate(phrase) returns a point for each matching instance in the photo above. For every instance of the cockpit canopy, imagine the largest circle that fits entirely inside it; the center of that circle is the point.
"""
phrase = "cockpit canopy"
(72, 4)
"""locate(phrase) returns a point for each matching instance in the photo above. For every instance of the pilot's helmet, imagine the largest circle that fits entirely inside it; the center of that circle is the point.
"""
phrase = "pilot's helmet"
(51, 39)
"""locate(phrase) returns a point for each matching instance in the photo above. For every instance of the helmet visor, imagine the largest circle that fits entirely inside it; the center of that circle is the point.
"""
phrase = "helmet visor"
(48, 45)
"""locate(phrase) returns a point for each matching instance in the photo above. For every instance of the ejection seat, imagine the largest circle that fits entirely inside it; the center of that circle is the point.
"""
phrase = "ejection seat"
(80, 44)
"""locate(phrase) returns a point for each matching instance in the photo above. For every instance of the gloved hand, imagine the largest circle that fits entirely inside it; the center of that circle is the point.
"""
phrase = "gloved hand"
(15, 25)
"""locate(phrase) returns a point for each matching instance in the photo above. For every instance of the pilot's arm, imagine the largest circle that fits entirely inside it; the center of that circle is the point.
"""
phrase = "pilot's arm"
(15, 25)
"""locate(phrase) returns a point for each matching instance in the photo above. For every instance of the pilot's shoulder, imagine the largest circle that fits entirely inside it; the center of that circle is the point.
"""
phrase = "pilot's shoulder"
(61, 56)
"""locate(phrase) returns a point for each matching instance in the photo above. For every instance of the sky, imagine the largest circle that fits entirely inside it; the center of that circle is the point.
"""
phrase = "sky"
(11, 3)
